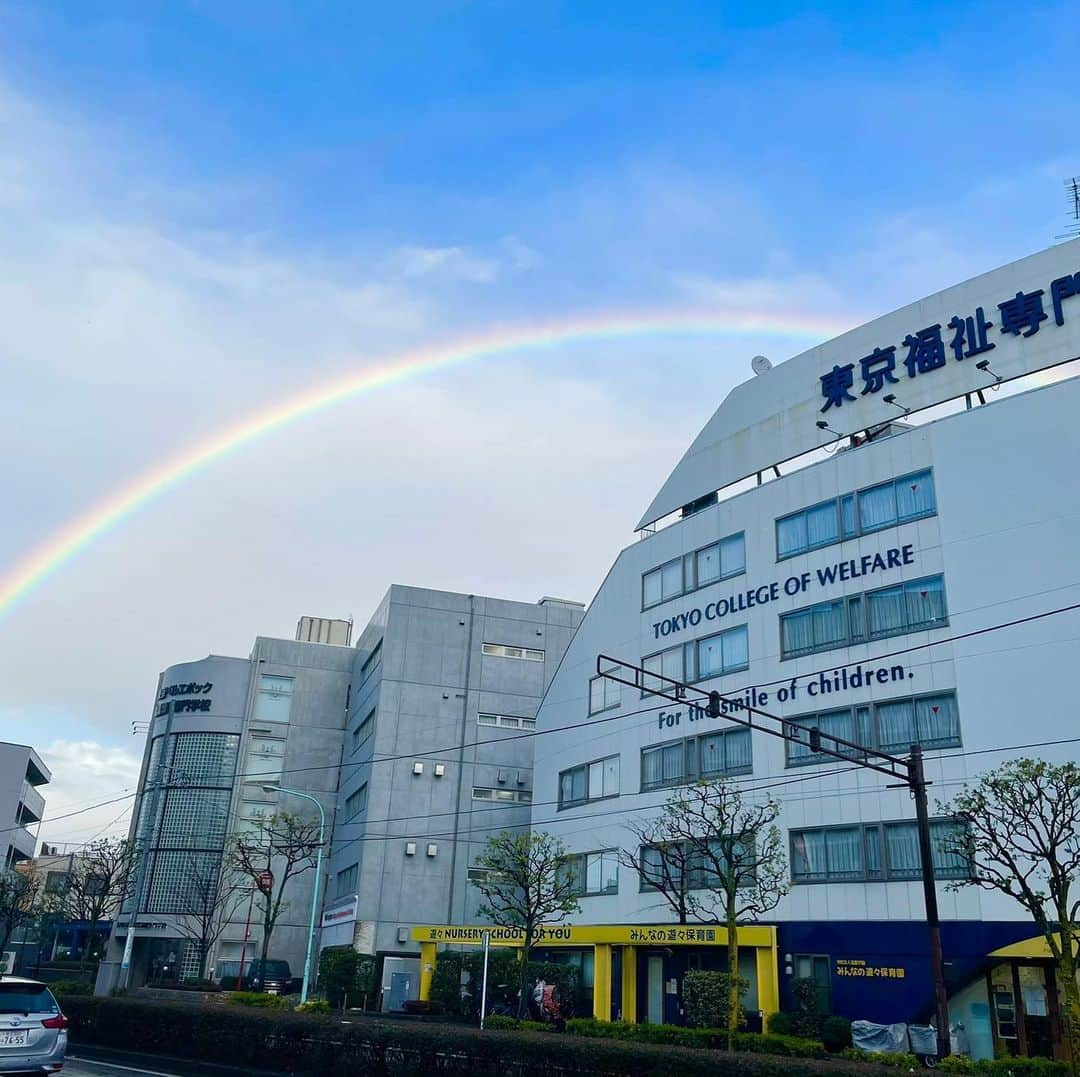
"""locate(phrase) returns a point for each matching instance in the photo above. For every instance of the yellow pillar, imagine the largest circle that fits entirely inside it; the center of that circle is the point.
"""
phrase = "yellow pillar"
(629, 984)
(768, 979)
(428, 951)
(602, 981)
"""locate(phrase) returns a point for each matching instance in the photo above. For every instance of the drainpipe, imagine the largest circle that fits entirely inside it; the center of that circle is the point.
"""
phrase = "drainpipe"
(461, 761)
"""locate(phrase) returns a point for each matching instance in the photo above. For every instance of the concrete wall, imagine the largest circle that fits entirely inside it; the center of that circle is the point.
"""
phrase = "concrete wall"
(428, 683)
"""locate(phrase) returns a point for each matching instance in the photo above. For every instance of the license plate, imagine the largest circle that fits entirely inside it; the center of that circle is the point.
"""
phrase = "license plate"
(14, 1039)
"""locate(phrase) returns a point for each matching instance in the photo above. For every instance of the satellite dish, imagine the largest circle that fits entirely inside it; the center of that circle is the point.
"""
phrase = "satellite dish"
(759, 364)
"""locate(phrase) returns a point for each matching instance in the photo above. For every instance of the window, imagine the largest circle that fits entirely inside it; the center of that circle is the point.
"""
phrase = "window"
(670, 663)
(698, 660)
(346, 880)
(892, 726)
(691, 758)
(509, 796)
(592, 781)
(371, 662)
(873, 852)
(817, 969)
(482, 875)
(274, 700)
(890, 611)
(726, 652)
(505, 650)
(265, 759)
(593, 873)
(897, 501)
(665, 867)
(506, 721)
(364, 729)
(356, 802)
(682, 575)
(603, 694)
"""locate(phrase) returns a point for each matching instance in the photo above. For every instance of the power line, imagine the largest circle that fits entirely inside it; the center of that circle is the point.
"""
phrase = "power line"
(594, 722)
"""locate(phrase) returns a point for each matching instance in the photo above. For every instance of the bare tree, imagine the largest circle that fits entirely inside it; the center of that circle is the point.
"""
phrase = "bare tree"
(18, 894)
(664, 862)
(213, 894)
(714, 857)
(97, 884)
(1020, 834)
(275, 851)
(525, 886)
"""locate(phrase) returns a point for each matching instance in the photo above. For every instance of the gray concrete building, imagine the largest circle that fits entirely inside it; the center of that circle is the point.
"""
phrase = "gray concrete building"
(22, 775)
(416, 743)
(438, 754)
(220, 728)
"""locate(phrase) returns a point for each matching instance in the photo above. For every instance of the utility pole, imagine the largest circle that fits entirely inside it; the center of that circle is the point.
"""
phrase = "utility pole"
(909, 771)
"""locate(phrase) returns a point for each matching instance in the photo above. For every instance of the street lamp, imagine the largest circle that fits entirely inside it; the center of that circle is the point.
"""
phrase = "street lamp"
(318, 877)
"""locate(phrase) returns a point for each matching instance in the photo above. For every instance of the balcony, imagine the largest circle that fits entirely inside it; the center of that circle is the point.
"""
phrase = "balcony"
(32, 806)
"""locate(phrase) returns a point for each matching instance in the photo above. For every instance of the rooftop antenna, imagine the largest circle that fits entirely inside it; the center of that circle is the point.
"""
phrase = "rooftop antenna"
(1072, 195)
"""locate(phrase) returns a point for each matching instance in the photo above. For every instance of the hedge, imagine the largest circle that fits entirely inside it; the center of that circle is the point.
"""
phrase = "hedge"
(329, 1047)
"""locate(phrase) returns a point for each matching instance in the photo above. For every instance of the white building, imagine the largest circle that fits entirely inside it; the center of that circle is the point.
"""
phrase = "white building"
(892, 577)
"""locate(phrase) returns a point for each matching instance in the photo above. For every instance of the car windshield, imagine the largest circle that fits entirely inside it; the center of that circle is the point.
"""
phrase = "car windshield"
(26, 998)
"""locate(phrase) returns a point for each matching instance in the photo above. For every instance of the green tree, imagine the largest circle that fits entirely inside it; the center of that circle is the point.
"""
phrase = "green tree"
(714, 857)
(1021, 837)
(525, 886)
(272, 853)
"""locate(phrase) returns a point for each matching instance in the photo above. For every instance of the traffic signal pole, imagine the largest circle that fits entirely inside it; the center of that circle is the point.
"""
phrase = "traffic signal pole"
(909, 772)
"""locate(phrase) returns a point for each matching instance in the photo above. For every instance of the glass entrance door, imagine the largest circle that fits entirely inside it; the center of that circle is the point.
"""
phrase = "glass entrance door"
(655, 1011)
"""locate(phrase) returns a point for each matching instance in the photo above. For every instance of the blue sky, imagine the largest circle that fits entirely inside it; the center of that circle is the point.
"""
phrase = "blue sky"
(206, 207)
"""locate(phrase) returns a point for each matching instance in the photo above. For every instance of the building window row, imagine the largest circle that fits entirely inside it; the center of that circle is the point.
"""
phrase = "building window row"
(874, 852)
(917, 605)
(345, 882)
(698, 660)
(356, 802)
(892, 725)
(590, 781)
(364, 729)
(512, 796)
(863, 512)
(506, 650)
(681, 575)
(506, 721)
(593, 874)
(688, 759)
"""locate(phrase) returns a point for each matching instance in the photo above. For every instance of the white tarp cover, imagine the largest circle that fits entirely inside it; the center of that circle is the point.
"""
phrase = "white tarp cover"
(886, 1039)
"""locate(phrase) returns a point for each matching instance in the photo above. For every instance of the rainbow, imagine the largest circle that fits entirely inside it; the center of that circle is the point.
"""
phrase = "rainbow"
(34, 568)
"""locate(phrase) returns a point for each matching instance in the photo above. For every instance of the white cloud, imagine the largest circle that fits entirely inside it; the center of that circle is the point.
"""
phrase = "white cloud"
(86, 773)
(449, 263)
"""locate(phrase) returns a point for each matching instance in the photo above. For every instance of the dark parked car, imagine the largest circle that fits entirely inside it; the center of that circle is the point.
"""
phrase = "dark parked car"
(273, 977)
(33, 1031)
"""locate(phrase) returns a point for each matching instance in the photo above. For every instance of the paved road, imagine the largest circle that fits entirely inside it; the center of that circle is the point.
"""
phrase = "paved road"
(76, 1066)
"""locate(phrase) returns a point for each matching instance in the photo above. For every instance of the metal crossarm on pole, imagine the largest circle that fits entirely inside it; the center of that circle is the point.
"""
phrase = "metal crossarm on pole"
(909, 772)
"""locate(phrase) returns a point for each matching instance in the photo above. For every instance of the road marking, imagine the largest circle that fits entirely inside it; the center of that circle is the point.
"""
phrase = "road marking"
(116, 1066)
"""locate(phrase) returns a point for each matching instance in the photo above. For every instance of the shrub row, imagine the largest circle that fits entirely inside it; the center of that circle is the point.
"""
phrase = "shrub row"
(714, 1038)
(329, 1047)
(1017, 1067)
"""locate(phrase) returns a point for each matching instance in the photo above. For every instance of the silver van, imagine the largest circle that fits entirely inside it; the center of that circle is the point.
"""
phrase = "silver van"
(33, 1031)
